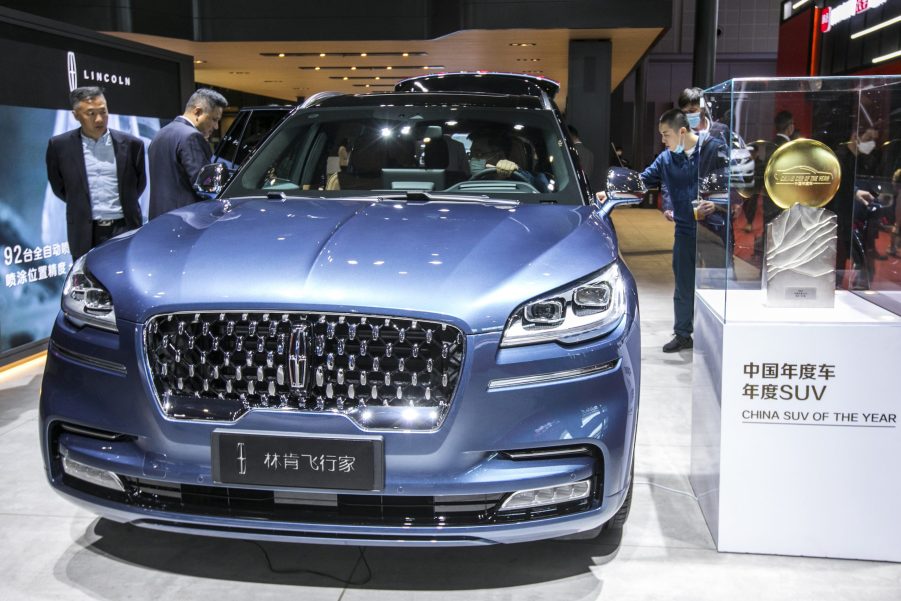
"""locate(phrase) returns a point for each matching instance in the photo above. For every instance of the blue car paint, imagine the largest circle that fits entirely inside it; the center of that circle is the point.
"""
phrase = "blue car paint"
(492, 260)
(471, 263)
(468, 264)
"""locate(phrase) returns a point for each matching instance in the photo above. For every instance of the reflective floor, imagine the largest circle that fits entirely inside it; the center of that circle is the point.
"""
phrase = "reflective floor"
(53, 550)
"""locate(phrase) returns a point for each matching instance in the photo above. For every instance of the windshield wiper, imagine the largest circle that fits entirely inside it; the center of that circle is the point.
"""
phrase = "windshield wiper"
(450, 198)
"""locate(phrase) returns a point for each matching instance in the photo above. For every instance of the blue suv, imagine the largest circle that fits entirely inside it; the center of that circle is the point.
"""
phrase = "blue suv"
(404, 321)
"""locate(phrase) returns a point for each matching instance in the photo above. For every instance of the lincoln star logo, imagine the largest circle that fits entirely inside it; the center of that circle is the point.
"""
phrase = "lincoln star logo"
(298, 348)
(242, 460)
(73, 70)
(802, 175)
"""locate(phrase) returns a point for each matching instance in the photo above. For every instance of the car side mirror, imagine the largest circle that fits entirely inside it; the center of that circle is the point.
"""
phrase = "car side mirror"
(211, 180)
(624, 187)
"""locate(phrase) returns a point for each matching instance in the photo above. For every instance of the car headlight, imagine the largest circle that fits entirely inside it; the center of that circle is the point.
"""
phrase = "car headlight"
(86, 301)
(578, 313)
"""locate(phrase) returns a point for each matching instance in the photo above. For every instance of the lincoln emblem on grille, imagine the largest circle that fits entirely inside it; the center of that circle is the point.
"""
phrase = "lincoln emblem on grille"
(242, 460)
(298, 348)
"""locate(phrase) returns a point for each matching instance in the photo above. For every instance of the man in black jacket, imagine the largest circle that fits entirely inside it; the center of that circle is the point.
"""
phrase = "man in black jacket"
(98, 172)
(180, 150)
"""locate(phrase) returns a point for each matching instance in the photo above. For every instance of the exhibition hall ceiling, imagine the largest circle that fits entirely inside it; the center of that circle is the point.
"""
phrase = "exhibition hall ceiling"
(356, 66)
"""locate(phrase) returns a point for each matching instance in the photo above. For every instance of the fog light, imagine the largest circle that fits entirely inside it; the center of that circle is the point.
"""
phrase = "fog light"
(79, 470)
(549, 495)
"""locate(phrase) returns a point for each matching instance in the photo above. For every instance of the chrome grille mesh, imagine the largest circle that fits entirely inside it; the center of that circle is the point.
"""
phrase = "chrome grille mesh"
(219, 365)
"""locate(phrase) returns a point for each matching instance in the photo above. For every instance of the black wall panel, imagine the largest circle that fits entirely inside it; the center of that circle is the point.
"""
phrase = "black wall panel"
(239, 20)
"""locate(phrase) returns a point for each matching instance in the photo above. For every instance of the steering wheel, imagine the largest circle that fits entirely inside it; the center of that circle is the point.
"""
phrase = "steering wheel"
(491, 173)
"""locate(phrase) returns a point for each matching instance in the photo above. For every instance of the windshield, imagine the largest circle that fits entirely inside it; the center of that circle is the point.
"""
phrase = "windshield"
(479, 151)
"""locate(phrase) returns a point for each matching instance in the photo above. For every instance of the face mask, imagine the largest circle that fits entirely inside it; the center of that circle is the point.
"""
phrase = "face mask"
(681, 147)
(866, 147)
(476, 165)
(694, 120)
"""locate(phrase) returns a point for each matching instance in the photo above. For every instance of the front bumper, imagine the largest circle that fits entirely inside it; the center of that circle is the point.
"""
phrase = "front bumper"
(344, 534)
(87, 384)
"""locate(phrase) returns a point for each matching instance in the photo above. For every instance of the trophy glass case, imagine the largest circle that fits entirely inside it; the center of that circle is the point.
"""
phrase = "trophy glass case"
(806, 195)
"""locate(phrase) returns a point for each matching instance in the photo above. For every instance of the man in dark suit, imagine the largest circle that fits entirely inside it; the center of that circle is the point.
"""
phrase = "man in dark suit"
(98, 172)
(180, 149)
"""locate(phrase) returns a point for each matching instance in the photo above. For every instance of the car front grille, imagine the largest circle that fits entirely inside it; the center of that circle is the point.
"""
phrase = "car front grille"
(381, 372)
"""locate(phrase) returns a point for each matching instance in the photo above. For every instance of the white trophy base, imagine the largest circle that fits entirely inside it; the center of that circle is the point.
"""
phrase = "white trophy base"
(800, 258)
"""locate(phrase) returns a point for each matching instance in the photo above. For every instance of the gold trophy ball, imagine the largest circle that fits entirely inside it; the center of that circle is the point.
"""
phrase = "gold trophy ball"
(802, 171)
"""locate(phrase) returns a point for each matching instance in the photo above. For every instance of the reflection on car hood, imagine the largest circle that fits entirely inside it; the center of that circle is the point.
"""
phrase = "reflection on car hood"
(471, 263)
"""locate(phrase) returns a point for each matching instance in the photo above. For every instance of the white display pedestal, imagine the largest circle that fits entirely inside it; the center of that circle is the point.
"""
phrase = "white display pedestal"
(796, 441)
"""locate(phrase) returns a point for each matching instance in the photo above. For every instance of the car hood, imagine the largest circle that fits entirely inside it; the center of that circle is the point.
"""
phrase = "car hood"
(468, 263)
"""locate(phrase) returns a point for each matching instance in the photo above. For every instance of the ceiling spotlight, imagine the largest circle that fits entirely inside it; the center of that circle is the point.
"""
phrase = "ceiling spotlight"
(388, 68)
(199, 62)
(317, 69)
(344, 78)
(522, 44)
(322, 55)
(353, 68)
(377, 77)
(362, 54)
(281, 55)
(405, 54)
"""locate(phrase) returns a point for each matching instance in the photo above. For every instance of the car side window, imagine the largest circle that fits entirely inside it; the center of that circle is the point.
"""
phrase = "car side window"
(259, 124)
(228, 147)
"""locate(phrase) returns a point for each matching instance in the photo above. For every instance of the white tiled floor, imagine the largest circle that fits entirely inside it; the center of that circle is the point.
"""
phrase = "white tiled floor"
(53, 550)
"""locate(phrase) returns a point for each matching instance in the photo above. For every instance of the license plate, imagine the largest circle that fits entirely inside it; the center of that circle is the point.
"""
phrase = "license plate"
(298, 460)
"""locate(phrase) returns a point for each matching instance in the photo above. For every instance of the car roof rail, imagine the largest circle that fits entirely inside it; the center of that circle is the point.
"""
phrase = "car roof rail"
(319, 96)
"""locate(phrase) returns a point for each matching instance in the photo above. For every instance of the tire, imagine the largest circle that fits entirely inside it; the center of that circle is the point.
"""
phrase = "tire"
(619, 518)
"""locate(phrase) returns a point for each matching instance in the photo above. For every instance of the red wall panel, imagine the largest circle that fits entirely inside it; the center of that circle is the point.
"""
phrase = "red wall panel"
(795, 39)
